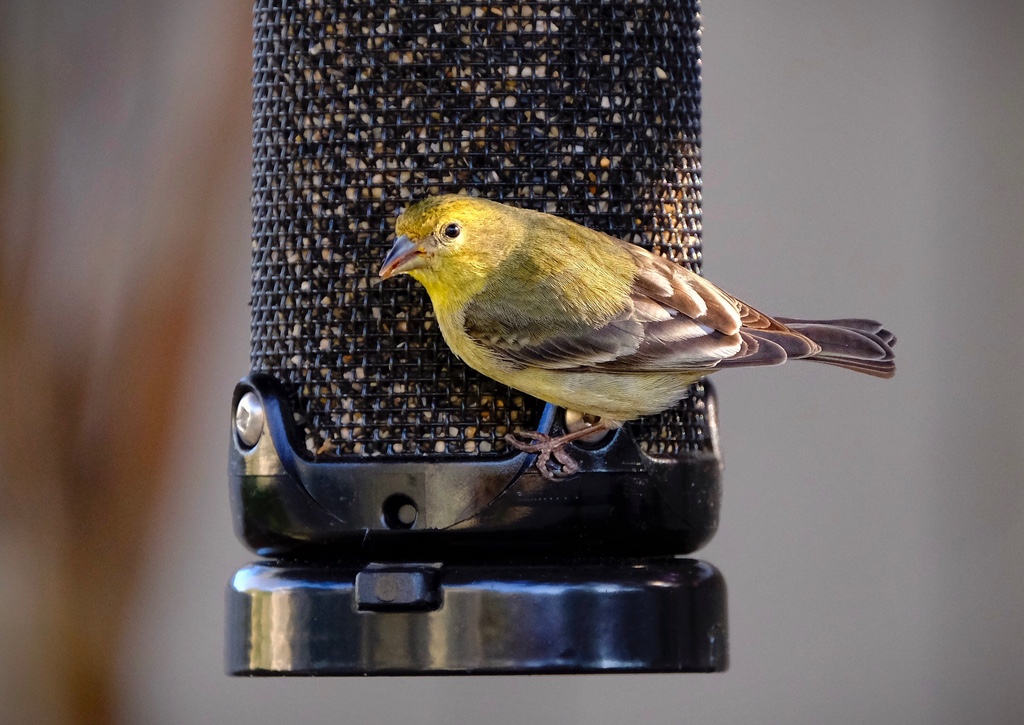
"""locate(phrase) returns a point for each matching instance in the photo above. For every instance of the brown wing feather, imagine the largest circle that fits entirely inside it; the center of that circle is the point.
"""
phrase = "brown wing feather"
(673, 321)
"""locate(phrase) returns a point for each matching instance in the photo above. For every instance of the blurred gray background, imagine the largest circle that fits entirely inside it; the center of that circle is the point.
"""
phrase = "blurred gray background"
(860, 158)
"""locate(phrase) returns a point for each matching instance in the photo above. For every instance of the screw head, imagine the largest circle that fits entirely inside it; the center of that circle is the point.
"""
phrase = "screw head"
(575, 420)
(406, 514)
(249, 419)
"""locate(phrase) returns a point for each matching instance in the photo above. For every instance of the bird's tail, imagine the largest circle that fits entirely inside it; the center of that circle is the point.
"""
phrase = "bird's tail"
(861, 345)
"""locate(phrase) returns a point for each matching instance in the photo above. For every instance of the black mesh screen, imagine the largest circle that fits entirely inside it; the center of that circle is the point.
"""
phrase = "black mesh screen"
(590, 110)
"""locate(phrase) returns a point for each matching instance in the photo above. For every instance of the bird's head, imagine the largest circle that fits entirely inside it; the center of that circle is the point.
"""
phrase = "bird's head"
(451, 241)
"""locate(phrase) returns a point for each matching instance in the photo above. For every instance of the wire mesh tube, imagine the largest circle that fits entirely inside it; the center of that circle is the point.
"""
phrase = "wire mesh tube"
(588, 110)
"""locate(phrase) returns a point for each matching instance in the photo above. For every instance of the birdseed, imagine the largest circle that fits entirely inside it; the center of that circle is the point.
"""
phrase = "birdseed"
(587, 110)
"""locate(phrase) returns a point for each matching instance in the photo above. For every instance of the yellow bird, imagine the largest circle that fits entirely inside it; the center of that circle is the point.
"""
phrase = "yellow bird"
(591, 323)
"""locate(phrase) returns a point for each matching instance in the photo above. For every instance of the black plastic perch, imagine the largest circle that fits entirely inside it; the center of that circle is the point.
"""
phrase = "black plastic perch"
(367, 459)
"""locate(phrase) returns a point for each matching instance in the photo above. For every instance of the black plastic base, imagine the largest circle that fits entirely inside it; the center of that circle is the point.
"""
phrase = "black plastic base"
(660, 615)
(622, 503)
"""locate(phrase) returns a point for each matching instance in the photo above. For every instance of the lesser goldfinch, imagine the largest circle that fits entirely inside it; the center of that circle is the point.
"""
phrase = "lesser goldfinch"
(591, 323)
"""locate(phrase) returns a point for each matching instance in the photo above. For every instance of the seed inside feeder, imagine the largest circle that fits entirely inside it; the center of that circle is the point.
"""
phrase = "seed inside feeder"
(371, 107)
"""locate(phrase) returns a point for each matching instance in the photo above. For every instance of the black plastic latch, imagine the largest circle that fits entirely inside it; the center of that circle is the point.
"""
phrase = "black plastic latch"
(398, 588)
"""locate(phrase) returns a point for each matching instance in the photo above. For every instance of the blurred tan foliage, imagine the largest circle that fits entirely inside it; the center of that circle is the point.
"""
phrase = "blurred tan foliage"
(118, 123)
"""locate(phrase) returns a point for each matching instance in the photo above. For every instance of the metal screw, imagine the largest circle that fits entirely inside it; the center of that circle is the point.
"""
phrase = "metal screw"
(388, 587)
(249, 419)
(406, 514)
(575, 420)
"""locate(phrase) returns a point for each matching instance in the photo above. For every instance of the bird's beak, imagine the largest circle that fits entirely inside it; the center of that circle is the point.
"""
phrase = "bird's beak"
(404, 256)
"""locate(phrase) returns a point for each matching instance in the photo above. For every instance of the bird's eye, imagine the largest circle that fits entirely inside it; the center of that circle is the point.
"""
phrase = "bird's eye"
(452, 231)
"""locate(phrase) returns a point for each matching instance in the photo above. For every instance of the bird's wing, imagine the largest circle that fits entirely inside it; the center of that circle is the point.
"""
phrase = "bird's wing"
(673, 320)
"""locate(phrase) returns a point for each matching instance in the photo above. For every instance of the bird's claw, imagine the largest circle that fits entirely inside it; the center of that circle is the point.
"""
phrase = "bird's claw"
(545, 447)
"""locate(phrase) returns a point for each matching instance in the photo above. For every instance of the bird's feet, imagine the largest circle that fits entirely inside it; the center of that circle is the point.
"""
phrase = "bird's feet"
(546, 447)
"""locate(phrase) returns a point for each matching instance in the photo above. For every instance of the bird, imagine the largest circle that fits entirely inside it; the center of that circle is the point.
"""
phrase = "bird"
(592, 323)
